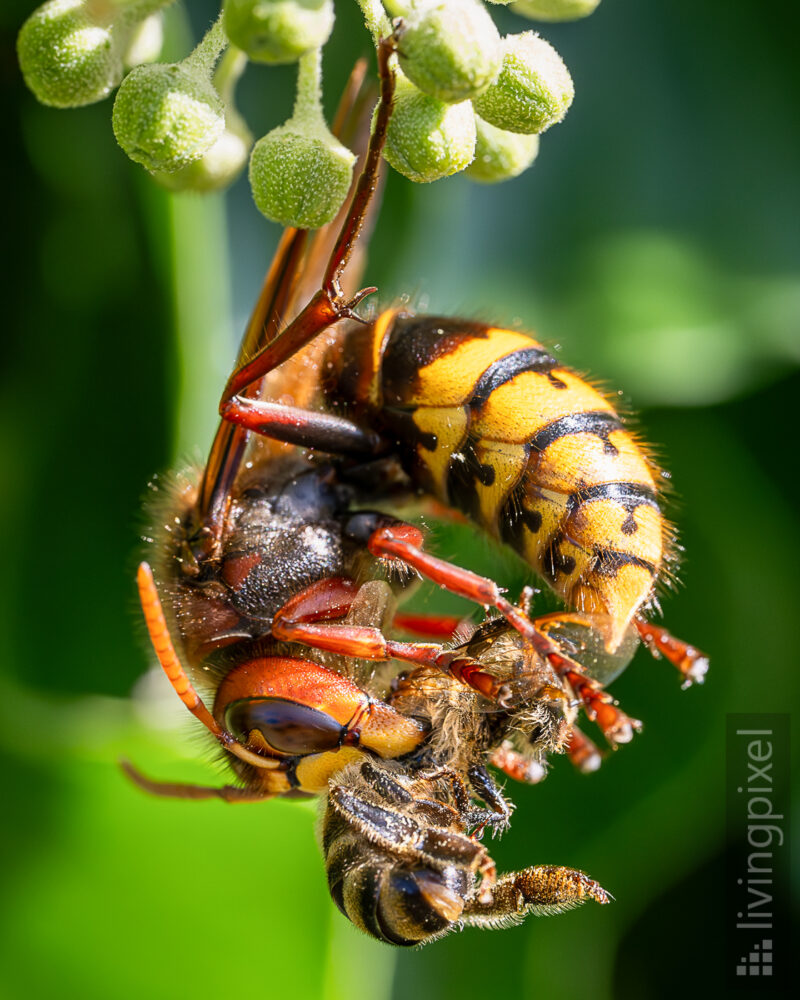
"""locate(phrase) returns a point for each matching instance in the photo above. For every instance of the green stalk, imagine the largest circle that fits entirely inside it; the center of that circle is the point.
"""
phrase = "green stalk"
(201, 308)
(308, 100)
(203, 58)
(376, 20)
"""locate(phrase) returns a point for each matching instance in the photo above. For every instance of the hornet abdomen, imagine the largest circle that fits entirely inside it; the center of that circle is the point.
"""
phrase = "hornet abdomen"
(490, 423)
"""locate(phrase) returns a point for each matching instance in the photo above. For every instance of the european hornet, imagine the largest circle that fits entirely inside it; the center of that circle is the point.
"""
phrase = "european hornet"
(269, 582)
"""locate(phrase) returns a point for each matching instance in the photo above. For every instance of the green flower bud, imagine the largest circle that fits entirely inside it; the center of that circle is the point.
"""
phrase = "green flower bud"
(500, 155)
(169, 114)
(299, 172)
(450, 48)
(533, 89)
(428, 139)
(300, 176)
(165, 116)
(145, 42)
(554, 10)
(220, 165)
(278, 31)
(68, 58)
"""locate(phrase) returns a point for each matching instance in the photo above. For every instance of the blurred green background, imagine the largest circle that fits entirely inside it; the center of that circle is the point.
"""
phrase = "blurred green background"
(657, 241)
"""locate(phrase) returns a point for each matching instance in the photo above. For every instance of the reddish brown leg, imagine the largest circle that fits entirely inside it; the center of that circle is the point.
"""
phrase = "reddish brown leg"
(600, 707)
(230, 441)
(582, 752)
(692, 664)
(617, 727)
(306, 428)
(178, 790)
(306, 618)
(256, 359)
(401, 541)
(168, 658)
(404, 542)
(517, 765)
(329, 304)
(303, 619)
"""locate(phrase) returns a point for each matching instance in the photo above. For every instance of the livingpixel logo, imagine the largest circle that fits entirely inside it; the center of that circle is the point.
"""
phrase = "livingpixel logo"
(758, 819)
(758, 962)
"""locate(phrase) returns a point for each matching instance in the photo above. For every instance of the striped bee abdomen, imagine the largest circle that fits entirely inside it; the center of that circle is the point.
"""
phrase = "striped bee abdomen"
(491, 423)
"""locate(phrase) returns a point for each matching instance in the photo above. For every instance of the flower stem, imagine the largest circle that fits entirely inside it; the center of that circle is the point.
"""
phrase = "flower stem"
(308, 102)
(376, 20)
(204, 57)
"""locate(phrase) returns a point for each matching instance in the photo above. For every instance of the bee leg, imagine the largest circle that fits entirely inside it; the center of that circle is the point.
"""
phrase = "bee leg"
(171, 665)
(692, 664)
(393, 792)
(403, 836)
(483, 785)
(439, 812)
(582, 752)
(453, 783)
(384, 785)
(540, 889)
(179, 790)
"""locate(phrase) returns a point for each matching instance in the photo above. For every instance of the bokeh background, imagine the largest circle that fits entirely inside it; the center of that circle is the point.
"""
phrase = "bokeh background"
(656, 241)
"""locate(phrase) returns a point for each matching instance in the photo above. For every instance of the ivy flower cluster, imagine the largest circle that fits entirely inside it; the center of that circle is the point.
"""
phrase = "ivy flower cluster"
(465, 99)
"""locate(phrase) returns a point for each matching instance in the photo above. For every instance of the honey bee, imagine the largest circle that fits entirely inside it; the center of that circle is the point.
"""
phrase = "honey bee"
(267, 605)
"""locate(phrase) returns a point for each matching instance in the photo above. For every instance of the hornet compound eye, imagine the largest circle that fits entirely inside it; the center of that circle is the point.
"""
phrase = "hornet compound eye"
(287, 726)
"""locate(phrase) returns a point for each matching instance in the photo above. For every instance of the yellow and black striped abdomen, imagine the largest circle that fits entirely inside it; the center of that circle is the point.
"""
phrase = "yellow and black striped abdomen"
(493, 425)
